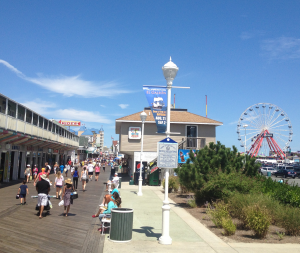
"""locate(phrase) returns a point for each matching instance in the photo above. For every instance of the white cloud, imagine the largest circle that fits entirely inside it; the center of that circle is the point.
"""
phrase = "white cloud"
(251, 34)
(103, 106)
(282, 48)
(123, 106)
(44, 108)
(72, 85)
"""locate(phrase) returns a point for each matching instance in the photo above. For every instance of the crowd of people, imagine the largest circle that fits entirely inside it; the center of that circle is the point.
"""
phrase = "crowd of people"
(65, 186)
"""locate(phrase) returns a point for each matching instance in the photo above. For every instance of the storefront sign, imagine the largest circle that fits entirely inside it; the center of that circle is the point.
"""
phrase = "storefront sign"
(157, 99)
(15, 147)
(55, 151)
(134, 133)
(69, 123)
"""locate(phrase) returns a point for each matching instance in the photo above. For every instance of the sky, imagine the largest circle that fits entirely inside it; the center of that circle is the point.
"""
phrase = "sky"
(88, 60)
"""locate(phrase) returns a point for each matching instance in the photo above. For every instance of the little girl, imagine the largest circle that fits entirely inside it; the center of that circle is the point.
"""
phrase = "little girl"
(59, 180)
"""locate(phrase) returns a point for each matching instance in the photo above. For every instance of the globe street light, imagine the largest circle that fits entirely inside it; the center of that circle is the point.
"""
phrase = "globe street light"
(170, 71)
(143, 116)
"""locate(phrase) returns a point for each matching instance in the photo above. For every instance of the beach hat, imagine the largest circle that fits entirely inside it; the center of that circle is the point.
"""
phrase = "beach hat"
(68, 181)
(44, 177)
(28, 165)
(116, 174)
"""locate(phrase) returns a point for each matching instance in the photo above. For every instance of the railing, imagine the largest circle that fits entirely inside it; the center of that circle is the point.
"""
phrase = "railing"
(192, 143)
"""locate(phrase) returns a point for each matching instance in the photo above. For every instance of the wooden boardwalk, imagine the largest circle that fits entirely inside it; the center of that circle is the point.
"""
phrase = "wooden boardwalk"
(22, 231)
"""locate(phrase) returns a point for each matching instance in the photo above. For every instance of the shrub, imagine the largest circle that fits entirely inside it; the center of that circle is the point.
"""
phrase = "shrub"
(289, 220)
(191, 202)
(257, 219)
(218, 212)
(228, 225)
(173, 183)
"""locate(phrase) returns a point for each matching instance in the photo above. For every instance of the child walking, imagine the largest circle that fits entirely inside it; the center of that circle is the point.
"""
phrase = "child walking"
(23, 190)
(68, 189)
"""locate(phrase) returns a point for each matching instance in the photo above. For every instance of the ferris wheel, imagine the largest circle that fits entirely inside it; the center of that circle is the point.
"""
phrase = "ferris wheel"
(265, 129)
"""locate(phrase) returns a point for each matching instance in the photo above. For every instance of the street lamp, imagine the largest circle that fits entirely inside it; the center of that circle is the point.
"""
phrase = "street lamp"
(170, 71)
(245, 126)
(143, 116)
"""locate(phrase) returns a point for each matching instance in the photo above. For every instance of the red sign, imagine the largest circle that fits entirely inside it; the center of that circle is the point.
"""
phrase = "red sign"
(154, 169)
(69, 123)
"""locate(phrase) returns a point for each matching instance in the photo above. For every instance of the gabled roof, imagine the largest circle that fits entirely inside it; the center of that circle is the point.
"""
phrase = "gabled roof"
(180, 117)
(82, 128)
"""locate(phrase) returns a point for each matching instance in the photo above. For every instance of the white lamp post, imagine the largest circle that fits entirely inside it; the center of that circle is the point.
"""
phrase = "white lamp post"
(245, 126)
(143, 116)
(170, 71)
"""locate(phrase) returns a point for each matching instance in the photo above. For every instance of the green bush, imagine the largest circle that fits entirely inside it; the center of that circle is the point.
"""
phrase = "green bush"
(218, 212)
(258, 219)
(191, 202)
(228, 225)
(289, 220)
(173, 183)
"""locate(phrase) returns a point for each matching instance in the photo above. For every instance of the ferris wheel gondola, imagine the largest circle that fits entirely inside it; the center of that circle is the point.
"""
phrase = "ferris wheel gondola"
(265, 129)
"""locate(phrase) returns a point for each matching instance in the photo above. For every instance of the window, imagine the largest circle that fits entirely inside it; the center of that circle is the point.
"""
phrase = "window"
(12, 108)
(28, 116)
(62, 132)
(41, 120)
(59, 130)
(191, 131)
(2, 104)
(35, 119)
(50, 126)
(46, 124)
(56, 129)
(21, 112)
(53, 128)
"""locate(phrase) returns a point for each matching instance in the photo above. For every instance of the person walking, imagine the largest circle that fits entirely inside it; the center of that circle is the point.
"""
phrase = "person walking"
(90, 170)
(48, 169)
(104, 166)
(62, 167)
(97, 171)
(72, 168)
(43, 189)
(83, 178)
(75, 178)
(59, 182)
(27, 173)
(67, 168)
(35, 172)
(68, 189)
(55, 168)
(23, 190)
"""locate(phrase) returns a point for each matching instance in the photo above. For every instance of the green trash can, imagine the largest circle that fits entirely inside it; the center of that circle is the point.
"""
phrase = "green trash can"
(121, 225)
(269, 174)
(154, 178)
(120, 181)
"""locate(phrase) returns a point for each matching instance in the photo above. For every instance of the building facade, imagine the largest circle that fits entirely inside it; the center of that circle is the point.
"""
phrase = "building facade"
(194, 131)
(29, 138)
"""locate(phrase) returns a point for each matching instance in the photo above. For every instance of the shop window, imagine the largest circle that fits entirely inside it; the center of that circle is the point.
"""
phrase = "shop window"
(28, 116)
(21, 112)
(2, 104)
(35, 119)
(12, 108)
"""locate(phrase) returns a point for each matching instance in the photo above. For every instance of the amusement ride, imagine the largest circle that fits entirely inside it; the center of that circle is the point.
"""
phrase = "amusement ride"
(265, 129)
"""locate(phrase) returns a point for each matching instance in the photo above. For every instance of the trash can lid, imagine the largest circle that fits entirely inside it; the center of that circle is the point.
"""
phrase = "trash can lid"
(122, 210)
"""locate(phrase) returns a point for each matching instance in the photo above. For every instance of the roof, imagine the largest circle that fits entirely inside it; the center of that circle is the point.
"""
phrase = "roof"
(94, 129)
(87, 132)
(180, 117)
(82, 128)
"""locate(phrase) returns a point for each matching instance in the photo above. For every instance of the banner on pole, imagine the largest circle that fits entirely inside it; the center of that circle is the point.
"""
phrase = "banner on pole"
(157, 99)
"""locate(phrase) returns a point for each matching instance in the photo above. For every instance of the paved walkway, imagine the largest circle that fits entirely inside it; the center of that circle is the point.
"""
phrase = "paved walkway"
(22, 231)
(187, 233)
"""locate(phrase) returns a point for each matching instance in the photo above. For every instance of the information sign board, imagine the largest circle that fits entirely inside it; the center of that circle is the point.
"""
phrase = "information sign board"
(167, 150)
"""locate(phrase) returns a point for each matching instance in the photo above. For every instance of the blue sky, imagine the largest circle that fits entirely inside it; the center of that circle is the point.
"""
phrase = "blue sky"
(88, 60)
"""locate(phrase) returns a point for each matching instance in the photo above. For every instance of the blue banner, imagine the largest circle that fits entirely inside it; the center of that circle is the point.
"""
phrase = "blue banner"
(184, 154)
(158, 101)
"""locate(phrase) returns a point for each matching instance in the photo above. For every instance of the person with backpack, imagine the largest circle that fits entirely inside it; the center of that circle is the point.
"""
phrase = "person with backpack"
(75, 178)
(23, 190)
(83, 178)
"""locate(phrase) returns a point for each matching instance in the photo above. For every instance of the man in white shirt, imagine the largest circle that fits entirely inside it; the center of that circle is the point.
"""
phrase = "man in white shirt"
(116, 180)
(90, 169)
